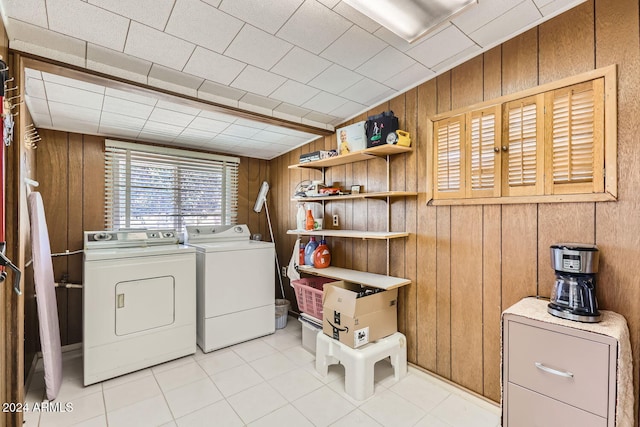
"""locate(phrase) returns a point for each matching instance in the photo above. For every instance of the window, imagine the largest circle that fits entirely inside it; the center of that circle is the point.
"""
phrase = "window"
(154, 187)
(553, 143)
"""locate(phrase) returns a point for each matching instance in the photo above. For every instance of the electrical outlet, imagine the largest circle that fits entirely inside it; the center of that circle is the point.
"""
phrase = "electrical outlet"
(284, 271)
(335, 221)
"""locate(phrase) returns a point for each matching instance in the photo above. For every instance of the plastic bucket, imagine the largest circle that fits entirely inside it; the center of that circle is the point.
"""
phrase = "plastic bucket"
(282, 312)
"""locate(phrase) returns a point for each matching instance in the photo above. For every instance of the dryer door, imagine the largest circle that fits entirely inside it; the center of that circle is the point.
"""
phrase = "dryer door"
(144, 304)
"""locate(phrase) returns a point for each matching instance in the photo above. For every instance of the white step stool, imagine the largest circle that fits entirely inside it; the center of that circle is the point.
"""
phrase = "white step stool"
(359, 362)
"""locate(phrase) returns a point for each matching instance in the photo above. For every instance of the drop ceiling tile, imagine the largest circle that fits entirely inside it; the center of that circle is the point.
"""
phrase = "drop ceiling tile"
(320, 117)
(240, 131)
(410, 77)
(482, 13)
(170, 117)
(154, 13)
(201, 64)
(197, 134)
(292, 110)
(294, 93)
(117, 64)
(324, 102)
(215, 92)
(208, 125)
(130, 108)
(313, 27)
(257, 47)
(87, 22)
(77, 84)
(118, 132)
(329, 3)
(156, 136)
(35, 88)
(313, 123)
(353, 48)
(257, 81)
(267, 136)
(131, 96)
(33, 11)
(251, 123)
(218, 115)
(364, 91)
(158, 47)
(161, 128)
(393, 39)
(37, 105)
(179, 107)
(73, 96)
(255, 108)
(41, 120)
(335, 79)
(356, 17)
(34, 74)
(75, 126)
(268, 16)
(442, 45)
(386, 64)
(300, 65)
(60, 112)
(203, 25)
(173, 80)
(507, 25)
(28, 38)
(348, 110)
(457, 59)
(228, 140)
(553, 7)
(123, 121)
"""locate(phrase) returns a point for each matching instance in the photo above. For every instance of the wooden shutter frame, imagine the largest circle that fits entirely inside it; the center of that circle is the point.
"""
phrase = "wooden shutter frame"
(497, 168)
(460, 193)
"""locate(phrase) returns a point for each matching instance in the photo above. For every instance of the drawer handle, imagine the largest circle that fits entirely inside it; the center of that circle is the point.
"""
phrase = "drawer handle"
(565, 374)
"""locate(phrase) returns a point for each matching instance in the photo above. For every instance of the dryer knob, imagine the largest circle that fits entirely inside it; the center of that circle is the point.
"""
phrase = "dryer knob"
(237, 229)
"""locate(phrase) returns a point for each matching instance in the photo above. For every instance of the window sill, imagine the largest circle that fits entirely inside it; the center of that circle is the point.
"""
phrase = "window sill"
(553, 198)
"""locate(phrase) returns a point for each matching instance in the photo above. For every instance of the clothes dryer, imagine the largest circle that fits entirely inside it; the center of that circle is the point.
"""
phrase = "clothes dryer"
(235, 285)
(138, 302)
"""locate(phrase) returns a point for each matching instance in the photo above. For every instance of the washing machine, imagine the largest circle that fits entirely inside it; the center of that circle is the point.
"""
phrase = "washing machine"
(139, 301)
(235, 278)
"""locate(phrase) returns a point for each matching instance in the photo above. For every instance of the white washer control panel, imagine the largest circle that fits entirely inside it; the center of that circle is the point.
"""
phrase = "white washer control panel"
(129, 238)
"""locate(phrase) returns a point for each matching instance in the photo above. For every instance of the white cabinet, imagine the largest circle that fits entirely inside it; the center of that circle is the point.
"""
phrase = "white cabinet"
(559, 372)
(375, 280)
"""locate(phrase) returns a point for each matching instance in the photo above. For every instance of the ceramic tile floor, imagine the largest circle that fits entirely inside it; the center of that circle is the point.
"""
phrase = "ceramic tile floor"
(270, 381)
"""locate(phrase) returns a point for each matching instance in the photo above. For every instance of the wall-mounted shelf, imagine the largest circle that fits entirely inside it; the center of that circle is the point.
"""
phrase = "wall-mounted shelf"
(364, 278)
(375, 195)
(353, 234)
(369, 153)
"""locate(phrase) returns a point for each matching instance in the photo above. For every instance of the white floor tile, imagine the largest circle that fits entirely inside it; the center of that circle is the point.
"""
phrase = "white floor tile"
(282, 340)
(172, 364)
(459, 412)
(100, 421)
(253, 350)
(73, 388)
(191, 397)
(299, 355)
(256, 402)
(221, 412)
(339, 387)
(323, 406)
(219, 361)
(431, 421)
(236, 379)
(389, 409)
(272, 365)
(356, 418)
(287, 416)
(424, 394)
(131, 392)
(114, 382)
(84, 408)
(295, 384)
(170, 424)
(179, 376)
(149, 412)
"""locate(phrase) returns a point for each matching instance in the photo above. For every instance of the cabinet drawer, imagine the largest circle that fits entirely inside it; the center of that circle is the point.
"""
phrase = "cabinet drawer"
(530, 409)
(532, 350)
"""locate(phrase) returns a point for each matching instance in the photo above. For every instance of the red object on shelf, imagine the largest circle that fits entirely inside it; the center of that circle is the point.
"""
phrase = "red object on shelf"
(309, 292)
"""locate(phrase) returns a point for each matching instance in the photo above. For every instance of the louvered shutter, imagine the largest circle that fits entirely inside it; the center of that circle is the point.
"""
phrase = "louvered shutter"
(156, 187)
(574, 138)
(483, 178)
(523, 159)
(449, 158)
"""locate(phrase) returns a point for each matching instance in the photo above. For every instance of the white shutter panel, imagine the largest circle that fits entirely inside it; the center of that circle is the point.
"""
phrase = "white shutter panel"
(154, 187)
(449, 158)
(484, 172)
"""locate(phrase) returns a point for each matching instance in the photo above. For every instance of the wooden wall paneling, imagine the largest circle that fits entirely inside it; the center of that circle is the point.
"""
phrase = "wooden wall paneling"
(443, 254)
(466, 293)
(93, 183)
(491, 255)
(243, 191)
(617, 226)
(519, 222)
(466, 254)
(426, 308)
(252, 188)
(566, 45)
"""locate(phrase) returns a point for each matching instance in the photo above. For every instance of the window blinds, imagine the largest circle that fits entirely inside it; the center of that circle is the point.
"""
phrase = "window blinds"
(154, 187)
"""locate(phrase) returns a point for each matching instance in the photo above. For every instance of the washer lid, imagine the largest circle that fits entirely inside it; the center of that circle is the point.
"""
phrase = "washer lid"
(121, 253)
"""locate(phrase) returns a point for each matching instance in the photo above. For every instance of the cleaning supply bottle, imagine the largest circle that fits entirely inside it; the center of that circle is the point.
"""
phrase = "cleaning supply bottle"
(301, 254)
(322, 255)
(301, 218)
(310, 220)
(308, 251)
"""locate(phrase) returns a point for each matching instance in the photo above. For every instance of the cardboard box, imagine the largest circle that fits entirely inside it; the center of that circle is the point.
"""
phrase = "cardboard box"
(357, 321)
(351, 138)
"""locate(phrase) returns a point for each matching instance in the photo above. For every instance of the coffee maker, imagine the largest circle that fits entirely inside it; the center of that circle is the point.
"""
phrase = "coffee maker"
(574, 293)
